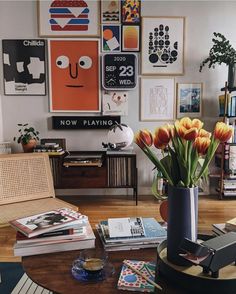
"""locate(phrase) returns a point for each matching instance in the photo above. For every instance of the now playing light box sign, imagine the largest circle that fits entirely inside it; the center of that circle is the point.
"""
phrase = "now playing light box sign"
(83, 122)
(24, 67)
(119, 71)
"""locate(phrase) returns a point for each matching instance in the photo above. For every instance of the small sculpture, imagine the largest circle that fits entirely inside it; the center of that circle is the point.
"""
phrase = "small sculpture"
(212, 254)
(119, 136)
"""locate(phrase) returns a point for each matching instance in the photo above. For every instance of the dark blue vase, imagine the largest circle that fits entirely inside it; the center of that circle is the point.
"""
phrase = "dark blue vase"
(182, 221)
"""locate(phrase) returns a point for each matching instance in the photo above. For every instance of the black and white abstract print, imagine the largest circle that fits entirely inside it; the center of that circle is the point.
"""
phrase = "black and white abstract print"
(24, 67)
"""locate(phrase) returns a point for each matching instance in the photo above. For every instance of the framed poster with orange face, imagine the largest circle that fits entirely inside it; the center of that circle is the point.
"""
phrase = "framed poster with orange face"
(74, 75)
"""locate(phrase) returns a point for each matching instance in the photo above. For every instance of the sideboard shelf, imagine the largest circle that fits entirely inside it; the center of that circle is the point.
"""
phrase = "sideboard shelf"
(117, 170)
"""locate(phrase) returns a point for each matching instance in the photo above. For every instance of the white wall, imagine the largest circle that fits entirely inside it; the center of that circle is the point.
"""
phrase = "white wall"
(18, 19)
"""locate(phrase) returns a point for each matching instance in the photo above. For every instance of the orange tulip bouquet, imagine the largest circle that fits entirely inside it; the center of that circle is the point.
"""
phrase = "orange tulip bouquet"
(185, 143)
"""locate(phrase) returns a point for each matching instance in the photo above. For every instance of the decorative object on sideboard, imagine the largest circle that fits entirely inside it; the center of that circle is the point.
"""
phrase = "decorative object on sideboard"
(5, 147)
(186, 142)
(28, 137)
(119, 136)
(222, 52)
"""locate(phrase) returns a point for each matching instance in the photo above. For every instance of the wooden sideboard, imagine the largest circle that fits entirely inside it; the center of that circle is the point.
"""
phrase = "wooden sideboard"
(117, 170)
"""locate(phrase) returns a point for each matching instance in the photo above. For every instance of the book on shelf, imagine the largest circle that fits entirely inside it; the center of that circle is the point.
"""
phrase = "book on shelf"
(85, 242)
(34, 225)
(130, 280)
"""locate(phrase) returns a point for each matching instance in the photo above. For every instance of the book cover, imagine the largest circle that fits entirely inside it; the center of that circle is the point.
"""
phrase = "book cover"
(87, 241)
(153, 231)
(126, 227)
(129, 280)
(35, 225)
(51, 236)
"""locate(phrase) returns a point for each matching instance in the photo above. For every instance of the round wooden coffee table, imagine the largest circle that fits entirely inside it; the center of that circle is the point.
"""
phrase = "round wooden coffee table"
(53, 271)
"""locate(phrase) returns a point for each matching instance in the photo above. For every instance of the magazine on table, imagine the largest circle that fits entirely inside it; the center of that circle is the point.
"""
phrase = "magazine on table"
(35, 225)
(153, 231)
(130, 280)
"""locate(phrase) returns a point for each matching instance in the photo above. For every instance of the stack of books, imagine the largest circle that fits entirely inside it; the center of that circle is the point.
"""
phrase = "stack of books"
(58, 230)
(130, 233)
(50, 148)
(223, 228)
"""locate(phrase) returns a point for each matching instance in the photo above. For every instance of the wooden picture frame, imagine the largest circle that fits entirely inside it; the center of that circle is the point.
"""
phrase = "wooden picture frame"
(111, 38)
(157, 99)
(74, 75)
(68, 18)
(110, 11)
(130, 38)
(189, 99)
(24, 69)
(130, 11)
(163, 45)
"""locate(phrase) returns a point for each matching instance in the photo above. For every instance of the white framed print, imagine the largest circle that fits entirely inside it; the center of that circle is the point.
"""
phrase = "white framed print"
(110, 11)
(115, 103)
(163, 45)
(189, 99)
(68, 18)
(157, 99)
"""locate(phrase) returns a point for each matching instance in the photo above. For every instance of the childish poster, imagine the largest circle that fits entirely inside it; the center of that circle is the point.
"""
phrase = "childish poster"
(24, 67)
(115, 103)
(110, 11)
(130, 11)
(74, 75)
(111, 38)
(68, 18)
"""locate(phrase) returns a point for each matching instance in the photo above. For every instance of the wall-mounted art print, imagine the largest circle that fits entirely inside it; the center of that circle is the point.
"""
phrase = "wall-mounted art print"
(74, 75)
(111, 38)
(119, 71)
(157, 99)
(110, 11)
(163, 45)
(114, 103)
(130, 38)
(189, 99)
(130, 11)
(24, 67)
(68, 18)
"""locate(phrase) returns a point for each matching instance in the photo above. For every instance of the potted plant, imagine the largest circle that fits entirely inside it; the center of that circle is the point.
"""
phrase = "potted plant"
(28, 137)
(222, 52)
(185, 142)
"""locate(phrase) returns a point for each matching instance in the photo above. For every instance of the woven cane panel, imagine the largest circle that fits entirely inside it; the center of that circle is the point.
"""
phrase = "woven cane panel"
(25, 177)
(22, 209)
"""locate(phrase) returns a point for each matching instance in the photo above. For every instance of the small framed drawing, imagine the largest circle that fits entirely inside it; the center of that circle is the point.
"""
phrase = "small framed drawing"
(130, 11)
(74, 75)
(114, 103)
(163, 45)
(131, 38)
(68, 18)
(24, 67)
(111, 38)
(157, 99)
(189, 99)
(110, 11)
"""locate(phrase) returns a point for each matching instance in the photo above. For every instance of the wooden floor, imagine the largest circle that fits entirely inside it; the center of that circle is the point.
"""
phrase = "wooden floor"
(97, 208)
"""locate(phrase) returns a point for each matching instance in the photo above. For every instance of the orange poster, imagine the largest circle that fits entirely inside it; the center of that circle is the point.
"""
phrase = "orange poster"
(74, 75)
